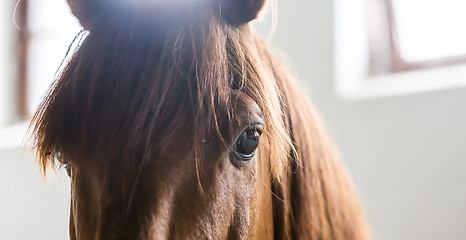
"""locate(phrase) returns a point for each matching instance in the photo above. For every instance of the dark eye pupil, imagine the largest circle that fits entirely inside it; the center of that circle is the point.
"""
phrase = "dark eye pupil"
(68, 169)
(248, 141)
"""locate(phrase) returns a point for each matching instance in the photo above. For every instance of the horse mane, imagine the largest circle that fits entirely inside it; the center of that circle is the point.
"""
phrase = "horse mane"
(138, 77)
(316, 199)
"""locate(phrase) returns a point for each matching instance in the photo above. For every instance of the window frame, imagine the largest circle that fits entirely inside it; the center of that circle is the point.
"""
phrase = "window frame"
(23, 36)
(355, 77)
(14, 126)
(399, 64)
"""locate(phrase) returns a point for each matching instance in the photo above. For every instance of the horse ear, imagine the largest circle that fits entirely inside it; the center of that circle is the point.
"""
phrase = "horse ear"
(238, 12)
(86, 11)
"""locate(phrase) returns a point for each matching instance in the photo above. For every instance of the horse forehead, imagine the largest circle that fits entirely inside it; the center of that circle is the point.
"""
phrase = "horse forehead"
(248, 105)
(246, 112)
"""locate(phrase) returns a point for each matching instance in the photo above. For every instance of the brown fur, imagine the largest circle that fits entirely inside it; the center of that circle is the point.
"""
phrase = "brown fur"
(168, 89)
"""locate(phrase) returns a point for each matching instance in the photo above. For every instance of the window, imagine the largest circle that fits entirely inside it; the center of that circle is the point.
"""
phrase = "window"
(29, 61)
(387, 47)
(7, 64)
(431, 29)
(52, 29)
(46, 30)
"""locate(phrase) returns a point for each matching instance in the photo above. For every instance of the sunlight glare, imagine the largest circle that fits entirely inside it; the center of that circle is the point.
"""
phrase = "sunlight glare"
(430, 29)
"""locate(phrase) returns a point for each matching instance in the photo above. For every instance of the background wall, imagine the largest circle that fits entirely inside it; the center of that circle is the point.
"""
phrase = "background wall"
(31, 208)
(406, 154)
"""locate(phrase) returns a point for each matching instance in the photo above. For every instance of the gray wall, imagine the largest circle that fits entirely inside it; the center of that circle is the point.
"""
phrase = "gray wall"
(31, 207)
(406, 154)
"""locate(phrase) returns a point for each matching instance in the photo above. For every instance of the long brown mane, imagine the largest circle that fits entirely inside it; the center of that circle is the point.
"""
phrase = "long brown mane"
(118, 93)
(318, 197)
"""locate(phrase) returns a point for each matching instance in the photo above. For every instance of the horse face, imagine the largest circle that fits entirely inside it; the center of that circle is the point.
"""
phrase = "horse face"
(182, 186)
(225, 196)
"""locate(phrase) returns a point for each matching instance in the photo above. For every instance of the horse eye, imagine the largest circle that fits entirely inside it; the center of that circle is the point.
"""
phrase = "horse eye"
(68, 169)
(247, 142)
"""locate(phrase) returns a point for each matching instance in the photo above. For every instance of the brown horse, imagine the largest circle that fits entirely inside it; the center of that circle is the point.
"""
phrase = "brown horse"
(175, 121)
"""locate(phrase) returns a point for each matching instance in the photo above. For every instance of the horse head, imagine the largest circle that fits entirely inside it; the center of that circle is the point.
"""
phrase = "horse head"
(175, 121)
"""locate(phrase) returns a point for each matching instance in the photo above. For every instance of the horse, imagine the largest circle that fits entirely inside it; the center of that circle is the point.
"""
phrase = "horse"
(174, 120)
